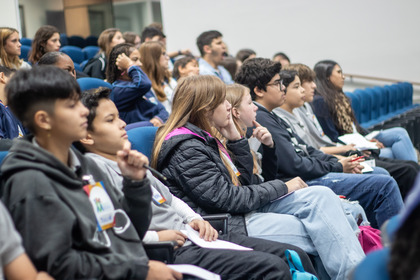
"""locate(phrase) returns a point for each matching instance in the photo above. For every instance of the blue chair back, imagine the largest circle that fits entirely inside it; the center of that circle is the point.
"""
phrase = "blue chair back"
(92, 41)
(365, 106)
(83, 64)
(77, 67)
(374, 103)
(392, 96)
(90, 51)
(355, 104)
(26, 42)
(90, 83)
(373, 267)
(24, 52)
(77, 41)
(64, 39)
(75, 53)
(142, 139)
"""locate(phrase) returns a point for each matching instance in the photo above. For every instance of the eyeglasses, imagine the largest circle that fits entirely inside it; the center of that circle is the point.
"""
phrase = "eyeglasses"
(278, 83)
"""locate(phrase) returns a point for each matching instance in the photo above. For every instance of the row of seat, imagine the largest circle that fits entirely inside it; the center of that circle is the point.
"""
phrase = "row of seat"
(79, 56)
(374, 106)
(65, 40)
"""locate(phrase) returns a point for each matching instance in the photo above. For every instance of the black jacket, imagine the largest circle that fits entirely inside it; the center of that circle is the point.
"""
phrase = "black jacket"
(294, 157)
(53, 214)
(197, 175)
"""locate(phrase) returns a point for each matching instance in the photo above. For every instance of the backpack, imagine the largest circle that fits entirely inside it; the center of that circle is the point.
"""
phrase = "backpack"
(370, 239)
(296, 267)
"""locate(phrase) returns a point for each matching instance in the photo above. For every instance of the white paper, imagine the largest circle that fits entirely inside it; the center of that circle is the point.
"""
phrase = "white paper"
(194, 236)
(254, 144)
(366, 166)
(195, 271)
(358, 140)
(372, 135)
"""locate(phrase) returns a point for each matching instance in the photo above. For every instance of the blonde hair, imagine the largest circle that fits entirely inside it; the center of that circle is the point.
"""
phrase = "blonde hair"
(194, 98)
(234, 94)
(13, 62)
(150, 53)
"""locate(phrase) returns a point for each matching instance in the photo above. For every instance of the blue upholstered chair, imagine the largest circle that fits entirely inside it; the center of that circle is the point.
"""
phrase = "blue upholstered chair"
(24, 52)
(26, 42)
(90, 51)
(75, 53)
(77, 41)
(90, 83)
(142, 139)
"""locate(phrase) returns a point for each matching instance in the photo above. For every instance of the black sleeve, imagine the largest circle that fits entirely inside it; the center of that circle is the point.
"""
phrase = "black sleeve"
(292, 163)
(242, 159)
(137, 203)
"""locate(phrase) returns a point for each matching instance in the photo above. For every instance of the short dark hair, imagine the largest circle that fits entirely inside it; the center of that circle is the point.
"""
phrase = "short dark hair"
(288, 76)
(282, 55)
(257, 72)
(90, 98)
(244, 54)
(230, 64)
(150, 32)
(6, 70)
(130, 37)
(29, 91)
(181, 62)
(50, 58)
(206, 38)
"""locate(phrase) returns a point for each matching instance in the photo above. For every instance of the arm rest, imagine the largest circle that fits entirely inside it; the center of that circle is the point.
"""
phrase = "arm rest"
(218, 221)
(161, 251)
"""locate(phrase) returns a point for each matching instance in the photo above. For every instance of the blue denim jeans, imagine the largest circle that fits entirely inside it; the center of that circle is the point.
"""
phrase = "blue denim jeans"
(314, 220)
(378, 194)
(397, 144)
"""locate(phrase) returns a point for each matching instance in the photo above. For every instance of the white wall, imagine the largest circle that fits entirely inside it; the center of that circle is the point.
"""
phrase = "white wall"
(9, 14)
(369, 37)
(35, 13)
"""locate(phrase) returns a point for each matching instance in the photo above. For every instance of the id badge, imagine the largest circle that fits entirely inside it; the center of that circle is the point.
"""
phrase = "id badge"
(101, 204)
(157, 197)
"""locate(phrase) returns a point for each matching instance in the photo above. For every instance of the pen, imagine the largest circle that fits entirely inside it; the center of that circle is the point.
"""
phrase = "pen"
(155, 173)
(357, 158)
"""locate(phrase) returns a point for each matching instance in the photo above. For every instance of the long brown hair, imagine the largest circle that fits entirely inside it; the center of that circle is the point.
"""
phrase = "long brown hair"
(150, 53)
(42, 35)
(105, 39)
(7, 60)
(234, 94)
(194, 98)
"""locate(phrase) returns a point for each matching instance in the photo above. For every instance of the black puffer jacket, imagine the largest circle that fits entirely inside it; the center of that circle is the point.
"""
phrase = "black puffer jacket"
(196, 174)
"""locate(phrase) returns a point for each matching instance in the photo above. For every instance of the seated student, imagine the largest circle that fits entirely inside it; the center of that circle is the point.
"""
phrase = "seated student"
(14, 263)
(282, 58)
(132, 38)
(46, 39)
(60, 60)
(154, 62)
(131, 87)
(109, 38)
(106, 136)
(335, 114)
(10, 49)
(185, 66)
(213, 50)
(294, 99)
(305, 124)
(377, 194)
(10, 126)
(201, 172)
(71, 228)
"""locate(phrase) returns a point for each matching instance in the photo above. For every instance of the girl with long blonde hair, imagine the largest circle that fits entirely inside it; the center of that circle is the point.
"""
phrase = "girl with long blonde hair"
(10, 49)
(212, 177)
